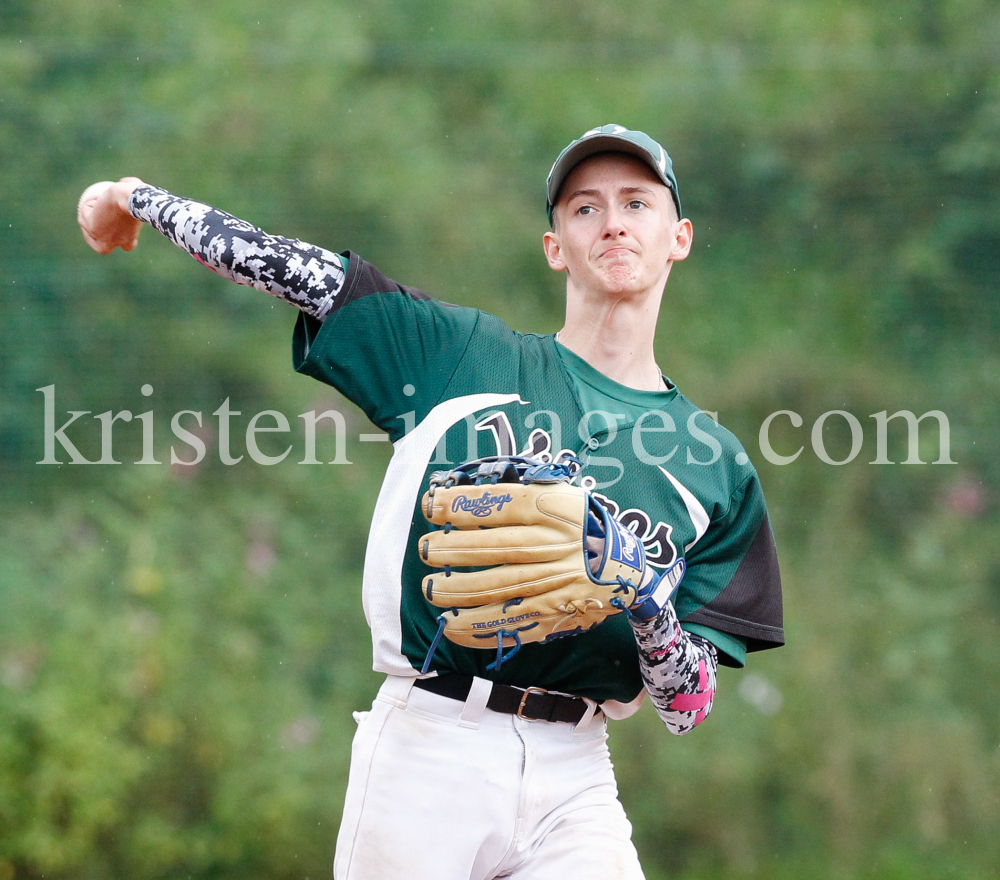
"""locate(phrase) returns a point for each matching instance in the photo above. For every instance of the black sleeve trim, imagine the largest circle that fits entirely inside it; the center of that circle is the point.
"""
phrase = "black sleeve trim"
(750, 604)
(363, 279)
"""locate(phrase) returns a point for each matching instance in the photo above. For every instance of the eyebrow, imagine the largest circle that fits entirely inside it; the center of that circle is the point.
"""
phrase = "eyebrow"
(625, 190)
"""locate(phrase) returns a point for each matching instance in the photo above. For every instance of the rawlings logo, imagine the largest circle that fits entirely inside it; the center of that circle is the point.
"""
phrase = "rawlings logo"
(625, 547)
(481, 506)
(630, 546)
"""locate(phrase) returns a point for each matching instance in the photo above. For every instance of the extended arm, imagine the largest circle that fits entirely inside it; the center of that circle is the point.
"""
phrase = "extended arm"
(309, 277)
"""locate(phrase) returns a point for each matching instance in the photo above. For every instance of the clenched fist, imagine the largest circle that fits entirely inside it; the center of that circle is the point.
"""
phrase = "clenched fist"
(103, 215)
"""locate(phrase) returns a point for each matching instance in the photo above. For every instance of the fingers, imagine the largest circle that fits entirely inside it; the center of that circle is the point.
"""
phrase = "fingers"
(504, 544)
(85, 215)
(472, 507)
(103, 217)
(501, 584)
(91, 195)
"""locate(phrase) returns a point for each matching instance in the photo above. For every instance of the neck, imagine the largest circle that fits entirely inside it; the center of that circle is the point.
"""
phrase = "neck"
(615, 338)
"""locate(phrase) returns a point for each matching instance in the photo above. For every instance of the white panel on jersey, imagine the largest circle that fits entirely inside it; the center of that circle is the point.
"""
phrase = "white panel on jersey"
(698, 514)
(382, 586)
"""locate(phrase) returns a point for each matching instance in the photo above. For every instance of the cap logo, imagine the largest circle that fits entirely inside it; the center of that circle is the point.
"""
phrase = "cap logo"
(662, 161)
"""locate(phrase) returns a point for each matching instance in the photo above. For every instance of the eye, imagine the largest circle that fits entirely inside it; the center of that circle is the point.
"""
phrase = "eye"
(585, 209)
(635, 204)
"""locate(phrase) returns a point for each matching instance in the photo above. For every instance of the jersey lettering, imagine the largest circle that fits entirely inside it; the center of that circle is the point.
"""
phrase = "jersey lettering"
(660, 549)
(503, 433)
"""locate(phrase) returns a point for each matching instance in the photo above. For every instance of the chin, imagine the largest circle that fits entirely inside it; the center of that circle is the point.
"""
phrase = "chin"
(621, 281)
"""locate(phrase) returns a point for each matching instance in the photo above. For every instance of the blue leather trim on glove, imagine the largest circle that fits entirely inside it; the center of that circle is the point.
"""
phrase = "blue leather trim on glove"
(660, 591)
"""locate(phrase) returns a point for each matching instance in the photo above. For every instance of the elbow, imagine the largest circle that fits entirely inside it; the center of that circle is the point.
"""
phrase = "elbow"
(683, 727)
(681, 730)
(682, 719)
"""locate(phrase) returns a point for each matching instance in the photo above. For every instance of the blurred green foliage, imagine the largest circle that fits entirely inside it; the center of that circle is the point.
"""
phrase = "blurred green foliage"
(181, 647)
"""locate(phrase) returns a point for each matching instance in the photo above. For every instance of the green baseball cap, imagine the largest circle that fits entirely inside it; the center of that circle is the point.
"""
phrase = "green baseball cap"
(611, 138)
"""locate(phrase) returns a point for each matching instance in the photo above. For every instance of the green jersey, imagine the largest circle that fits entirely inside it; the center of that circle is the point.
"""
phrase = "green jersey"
(450, 384)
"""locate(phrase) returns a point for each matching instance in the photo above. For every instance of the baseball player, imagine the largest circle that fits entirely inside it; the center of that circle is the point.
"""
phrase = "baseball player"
(490, 761)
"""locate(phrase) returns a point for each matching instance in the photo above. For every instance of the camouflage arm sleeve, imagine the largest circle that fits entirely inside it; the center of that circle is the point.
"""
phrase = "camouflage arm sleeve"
(308, 277)
(679, 670)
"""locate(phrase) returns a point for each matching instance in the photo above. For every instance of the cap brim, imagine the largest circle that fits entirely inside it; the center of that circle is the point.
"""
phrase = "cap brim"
(589, 147)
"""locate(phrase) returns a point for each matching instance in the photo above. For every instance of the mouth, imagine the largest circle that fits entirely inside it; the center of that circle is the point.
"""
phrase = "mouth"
(617, 252)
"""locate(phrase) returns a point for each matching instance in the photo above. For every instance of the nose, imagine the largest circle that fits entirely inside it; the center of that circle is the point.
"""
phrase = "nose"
(614, 225)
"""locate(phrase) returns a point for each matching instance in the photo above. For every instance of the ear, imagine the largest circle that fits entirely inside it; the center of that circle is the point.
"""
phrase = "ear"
(683, 237)
(553, 251)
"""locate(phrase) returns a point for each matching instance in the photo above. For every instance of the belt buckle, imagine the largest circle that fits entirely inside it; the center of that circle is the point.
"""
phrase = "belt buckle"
(524, 700)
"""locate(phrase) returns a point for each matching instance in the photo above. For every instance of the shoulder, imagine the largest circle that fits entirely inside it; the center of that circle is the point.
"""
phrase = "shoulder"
(700, 420)
(706, 458)
(703, 430)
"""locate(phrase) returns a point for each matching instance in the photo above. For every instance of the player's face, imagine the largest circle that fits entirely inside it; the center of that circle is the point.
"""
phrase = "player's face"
(616, 231)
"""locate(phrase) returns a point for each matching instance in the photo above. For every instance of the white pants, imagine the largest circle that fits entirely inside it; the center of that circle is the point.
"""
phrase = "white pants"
(445, 790)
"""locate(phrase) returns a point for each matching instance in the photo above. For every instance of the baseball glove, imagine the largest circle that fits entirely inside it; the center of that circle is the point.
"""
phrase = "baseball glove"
(523, 555)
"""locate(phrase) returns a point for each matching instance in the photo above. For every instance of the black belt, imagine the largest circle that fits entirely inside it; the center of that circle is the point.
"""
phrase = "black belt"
(534, 704)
